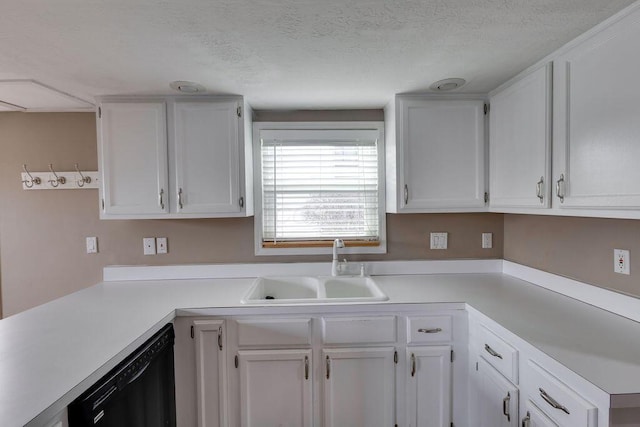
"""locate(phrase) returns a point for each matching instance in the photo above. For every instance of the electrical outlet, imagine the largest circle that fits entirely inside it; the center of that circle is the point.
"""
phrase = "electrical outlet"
(487, 240)
(161, 245)
(621, 262)
(438, 240)
(92, 245)
(149, 245)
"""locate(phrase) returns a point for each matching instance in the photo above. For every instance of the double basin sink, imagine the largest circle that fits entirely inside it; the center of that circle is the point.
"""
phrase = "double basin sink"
(312, 290)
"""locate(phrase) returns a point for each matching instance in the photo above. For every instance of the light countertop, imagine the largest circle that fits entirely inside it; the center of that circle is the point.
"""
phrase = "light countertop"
(52, 353)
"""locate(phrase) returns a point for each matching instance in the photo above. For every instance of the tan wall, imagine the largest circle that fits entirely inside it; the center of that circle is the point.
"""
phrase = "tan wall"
(42, 233)
(580, 248)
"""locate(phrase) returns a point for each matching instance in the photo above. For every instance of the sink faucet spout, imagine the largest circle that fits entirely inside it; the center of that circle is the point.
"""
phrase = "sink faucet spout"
(335, 264)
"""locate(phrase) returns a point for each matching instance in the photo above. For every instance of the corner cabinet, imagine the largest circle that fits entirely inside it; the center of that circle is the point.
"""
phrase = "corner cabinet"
(435, 155)
(174, 157)
(520, 143)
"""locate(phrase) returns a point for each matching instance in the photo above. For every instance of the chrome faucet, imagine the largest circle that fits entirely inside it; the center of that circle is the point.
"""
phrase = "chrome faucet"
(336, 266)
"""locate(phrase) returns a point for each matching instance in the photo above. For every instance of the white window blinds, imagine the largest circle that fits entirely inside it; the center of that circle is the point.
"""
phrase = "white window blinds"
(320, 185)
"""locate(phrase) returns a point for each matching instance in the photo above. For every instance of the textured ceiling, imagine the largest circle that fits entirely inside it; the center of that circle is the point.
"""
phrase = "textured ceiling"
(285, 53)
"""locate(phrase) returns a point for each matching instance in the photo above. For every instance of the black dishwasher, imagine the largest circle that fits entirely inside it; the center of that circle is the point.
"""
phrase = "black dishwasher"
(139, 392)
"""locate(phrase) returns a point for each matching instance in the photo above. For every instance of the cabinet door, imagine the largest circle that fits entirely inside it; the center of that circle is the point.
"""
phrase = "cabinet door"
(596, 124)
(359, 387)
(211, 376)
(429, 386)
(441, 144)
(535, 417)
(520, 143)
(133, 158)
(207, 157)
(498, 398)
(275, 388)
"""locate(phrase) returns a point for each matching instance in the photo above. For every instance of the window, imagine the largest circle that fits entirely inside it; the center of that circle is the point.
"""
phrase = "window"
(317, 182)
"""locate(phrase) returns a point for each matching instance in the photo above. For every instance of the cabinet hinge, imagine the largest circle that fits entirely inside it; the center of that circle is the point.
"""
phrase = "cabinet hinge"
(395, 357)
(236, 361)
(239, 111)
(192, 333)
(487, 108)
(486, 197)
(99, 112)
(451, 356)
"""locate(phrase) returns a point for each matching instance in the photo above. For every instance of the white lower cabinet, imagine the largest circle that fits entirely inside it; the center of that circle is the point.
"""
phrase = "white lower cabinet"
(359, 387)
(498, 398)
(275, 388)
(338, 370)
(429, 386)
(211, 374)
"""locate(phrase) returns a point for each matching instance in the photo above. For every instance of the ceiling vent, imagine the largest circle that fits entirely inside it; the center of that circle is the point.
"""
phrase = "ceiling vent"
(187, 87)
(447, 85)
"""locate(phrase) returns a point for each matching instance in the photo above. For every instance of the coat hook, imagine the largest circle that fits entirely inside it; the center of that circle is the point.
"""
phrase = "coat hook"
(83, 179)
(29, 182)
(59, 179)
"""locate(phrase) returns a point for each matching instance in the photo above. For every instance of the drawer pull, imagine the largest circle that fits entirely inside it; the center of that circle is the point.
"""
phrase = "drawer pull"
(306, 367)
(492, 351)
(430, 331)
(505, 407)
(220, 338)
(551, 401)
(526, 420)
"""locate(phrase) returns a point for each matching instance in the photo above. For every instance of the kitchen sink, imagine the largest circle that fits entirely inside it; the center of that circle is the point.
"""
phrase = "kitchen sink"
(313, 290)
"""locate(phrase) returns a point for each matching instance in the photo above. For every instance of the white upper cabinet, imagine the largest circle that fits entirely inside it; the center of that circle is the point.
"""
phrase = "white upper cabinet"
(596, 126)
(520, 143)
(435, 155)
(175, 157)
(207, 157)
(133, 158)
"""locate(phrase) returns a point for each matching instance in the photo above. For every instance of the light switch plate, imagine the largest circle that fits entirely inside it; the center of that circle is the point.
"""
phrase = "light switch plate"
(438, 240)
(487, 240)
(149, 245)
(161, 245)
(92, 245)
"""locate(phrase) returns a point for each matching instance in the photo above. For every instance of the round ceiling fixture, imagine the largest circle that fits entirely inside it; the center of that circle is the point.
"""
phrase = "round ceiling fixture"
(447, 84)
(186, 87)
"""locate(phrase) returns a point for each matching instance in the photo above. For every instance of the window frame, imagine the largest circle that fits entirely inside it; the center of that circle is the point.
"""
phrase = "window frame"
(377, 126)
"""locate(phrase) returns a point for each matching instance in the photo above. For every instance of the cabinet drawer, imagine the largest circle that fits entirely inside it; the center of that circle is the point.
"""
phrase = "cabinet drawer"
(359, 330)
(427, 329)
(499, 354)
(272, 332)
(562, 404)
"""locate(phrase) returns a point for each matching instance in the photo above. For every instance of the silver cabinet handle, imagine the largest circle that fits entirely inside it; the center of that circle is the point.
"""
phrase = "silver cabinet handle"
(406, 194)
(160, 196)
(505, 407)
(306, 367)
(551, 401)
(241, 202)
(430, 331)
(526, 420)
(180, 198)
(413, 365)
(492, 351)
(328, 366)
(539, 192)
(220, 338)
(560, 188)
